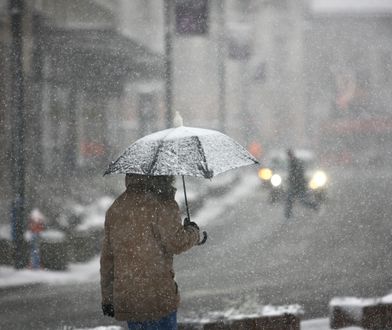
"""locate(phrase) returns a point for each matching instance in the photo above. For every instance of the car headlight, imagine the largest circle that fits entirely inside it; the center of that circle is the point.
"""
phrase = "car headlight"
(276, 180)
(265, 174)
(319, 179)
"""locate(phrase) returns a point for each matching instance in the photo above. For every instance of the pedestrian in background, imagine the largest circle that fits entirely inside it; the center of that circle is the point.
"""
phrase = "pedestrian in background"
(143, 231)
(297, 185)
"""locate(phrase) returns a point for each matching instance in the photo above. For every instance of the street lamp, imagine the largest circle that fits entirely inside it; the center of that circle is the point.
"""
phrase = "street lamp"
(16, 11)
(168, 9)
(222, 65)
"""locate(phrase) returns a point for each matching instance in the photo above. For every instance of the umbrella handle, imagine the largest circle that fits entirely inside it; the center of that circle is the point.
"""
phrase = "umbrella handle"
(204, 238)
(187, 220)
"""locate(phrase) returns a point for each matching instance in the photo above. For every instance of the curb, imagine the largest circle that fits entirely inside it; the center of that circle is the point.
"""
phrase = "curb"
(265, 317)
(278, 322)
(371, 313)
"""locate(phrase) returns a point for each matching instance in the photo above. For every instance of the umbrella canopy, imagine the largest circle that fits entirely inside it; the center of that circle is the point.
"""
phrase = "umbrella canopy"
(182, 151)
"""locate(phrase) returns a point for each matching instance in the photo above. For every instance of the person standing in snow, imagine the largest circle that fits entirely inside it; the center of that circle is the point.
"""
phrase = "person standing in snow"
(297, 186)
(143, 232)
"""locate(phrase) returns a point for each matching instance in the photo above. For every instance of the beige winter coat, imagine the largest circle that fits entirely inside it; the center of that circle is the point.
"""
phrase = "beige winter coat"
(142, 233)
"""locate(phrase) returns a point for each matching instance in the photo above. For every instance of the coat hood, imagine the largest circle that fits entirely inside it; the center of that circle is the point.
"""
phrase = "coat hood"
(161, 185)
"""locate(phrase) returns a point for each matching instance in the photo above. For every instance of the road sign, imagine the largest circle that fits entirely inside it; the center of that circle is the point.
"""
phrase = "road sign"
(192, 17)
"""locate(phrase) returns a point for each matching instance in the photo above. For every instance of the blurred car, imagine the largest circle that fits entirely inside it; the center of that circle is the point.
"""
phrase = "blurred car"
(274, 172)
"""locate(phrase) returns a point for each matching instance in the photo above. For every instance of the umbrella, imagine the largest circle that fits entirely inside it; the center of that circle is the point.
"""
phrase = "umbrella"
(185, 151)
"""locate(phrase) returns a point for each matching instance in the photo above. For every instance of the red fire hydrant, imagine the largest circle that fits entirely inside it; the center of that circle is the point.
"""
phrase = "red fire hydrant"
(36, 227)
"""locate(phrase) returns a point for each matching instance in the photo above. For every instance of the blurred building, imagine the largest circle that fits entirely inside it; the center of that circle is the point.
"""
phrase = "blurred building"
(348, 63)
(94, 80)
(260, 45)
(308, 73)
(78, 65)
(277, 91)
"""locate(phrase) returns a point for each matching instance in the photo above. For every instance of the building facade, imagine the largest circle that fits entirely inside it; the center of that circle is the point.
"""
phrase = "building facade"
(348, 70)
(77, 67)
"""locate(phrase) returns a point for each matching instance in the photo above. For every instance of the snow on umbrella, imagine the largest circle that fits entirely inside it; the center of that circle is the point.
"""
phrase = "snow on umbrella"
(185, 151)
(182, 151)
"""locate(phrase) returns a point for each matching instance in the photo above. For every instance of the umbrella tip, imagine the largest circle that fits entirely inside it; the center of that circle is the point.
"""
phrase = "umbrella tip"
(177, 121)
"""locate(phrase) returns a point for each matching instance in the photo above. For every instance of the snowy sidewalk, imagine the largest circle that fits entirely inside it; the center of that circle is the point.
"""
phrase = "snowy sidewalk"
(77, 273)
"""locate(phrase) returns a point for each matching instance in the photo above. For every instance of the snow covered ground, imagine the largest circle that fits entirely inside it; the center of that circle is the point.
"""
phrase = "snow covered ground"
(86, 272)
(89, 272)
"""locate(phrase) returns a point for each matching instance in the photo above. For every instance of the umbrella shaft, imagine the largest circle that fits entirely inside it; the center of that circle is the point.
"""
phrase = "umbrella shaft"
(186, 199)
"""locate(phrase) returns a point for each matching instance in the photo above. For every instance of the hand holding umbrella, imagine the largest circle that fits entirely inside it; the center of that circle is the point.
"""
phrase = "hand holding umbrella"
(187, 220)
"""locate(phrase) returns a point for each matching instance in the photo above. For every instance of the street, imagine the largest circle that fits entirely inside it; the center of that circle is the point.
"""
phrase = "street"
(256, 256)
(253, 256)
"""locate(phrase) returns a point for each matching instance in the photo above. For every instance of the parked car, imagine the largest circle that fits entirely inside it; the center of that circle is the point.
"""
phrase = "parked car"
(274, 171)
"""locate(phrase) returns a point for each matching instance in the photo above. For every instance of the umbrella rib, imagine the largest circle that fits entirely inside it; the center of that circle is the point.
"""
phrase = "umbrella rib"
(155, 159)
(206, 172)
